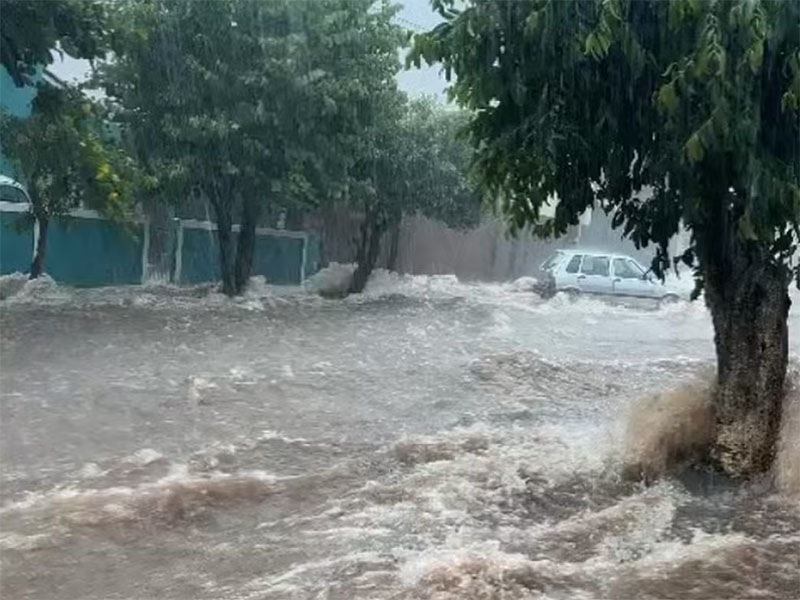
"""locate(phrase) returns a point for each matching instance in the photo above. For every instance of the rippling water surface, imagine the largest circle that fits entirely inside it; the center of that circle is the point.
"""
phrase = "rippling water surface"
(430, 439)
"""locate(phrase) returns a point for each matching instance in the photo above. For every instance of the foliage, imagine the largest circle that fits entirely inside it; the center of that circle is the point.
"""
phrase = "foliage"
(249, 104)
(662, 112)
(234, 98)
(412, 161)
(419, 165)
(31, 30)
(66, 156)
(443, 189)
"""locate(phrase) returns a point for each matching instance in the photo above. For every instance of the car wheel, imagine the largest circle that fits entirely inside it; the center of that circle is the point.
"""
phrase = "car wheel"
(668, 300)
(573, 294)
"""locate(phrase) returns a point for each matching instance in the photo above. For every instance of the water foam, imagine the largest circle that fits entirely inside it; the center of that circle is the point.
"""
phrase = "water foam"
(173, 498)
(11, 284)
(787, 460)
(333, 280)
(17, 288)
(667, 429)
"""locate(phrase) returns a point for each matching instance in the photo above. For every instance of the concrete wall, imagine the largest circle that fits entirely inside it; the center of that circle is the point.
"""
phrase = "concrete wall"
(485, 253)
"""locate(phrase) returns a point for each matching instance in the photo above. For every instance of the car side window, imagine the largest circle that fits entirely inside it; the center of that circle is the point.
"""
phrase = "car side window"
(574, 264)
(595, 265)
(623, 268)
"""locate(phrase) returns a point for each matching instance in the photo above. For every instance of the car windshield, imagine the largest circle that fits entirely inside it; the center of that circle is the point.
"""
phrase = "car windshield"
(552, 261)
(627, 269)
(636, 268)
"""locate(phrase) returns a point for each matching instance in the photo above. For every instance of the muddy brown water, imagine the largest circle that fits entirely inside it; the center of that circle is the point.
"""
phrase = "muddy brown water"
(429, 440)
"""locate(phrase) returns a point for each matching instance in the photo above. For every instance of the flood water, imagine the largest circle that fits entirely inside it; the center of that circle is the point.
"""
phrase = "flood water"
(429, 440)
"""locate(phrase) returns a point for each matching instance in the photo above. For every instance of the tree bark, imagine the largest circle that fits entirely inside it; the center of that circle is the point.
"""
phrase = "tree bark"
(246, 245)
(747, 295)
(225, 239)
(394, 243)
(37, 266)
(368, 249)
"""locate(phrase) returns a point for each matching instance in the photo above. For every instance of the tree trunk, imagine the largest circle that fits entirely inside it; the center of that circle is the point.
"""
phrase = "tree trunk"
(368, 249)
(246, 245)
(394, 243)
(747, 295)
(37, 266)
(225, 239)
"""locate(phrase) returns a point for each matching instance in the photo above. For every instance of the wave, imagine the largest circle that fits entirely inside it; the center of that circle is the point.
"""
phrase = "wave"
(172, 499)
(720, 565)
(787, 459)
(668, 429)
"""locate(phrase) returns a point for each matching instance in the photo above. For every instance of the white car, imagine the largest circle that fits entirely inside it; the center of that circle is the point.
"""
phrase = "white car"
(578, 271)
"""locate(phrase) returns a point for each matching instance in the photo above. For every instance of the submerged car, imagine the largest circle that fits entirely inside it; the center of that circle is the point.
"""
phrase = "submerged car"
(577, 272)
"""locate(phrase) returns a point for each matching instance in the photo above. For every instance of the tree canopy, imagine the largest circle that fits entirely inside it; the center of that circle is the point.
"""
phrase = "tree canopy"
(67, 156)
(414, 161)
(260, 95)
(249, 104)
(661, 112)
(31, 31)
(426, 165)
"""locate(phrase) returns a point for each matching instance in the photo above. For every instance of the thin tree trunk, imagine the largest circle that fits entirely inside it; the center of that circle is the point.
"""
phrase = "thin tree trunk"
(37, 266)
(368, 249)
(246, 245)
(225, 239)
(394, 243)
(747, 295)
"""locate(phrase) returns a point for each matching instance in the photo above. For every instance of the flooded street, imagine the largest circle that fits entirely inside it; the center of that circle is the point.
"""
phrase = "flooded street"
(431, 440)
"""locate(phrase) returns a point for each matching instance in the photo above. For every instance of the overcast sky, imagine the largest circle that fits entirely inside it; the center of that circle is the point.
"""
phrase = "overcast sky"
(415, 15)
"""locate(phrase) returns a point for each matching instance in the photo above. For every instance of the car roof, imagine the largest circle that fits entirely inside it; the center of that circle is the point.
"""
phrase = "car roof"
(594, 252)
(6, 180)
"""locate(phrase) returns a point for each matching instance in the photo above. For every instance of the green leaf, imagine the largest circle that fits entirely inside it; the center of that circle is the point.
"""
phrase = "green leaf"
(755, 57)
(746, 229)
(667, 98)
(591, 45)
(694, 148)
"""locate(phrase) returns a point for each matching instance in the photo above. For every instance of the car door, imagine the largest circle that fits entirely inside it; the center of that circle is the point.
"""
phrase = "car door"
(595, 277)
(629, 279)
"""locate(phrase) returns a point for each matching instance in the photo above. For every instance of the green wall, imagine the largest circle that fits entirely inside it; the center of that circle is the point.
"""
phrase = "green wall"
(16, 248)
(85, 251)
(199, 258)
(278, 258)
(93, 252)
